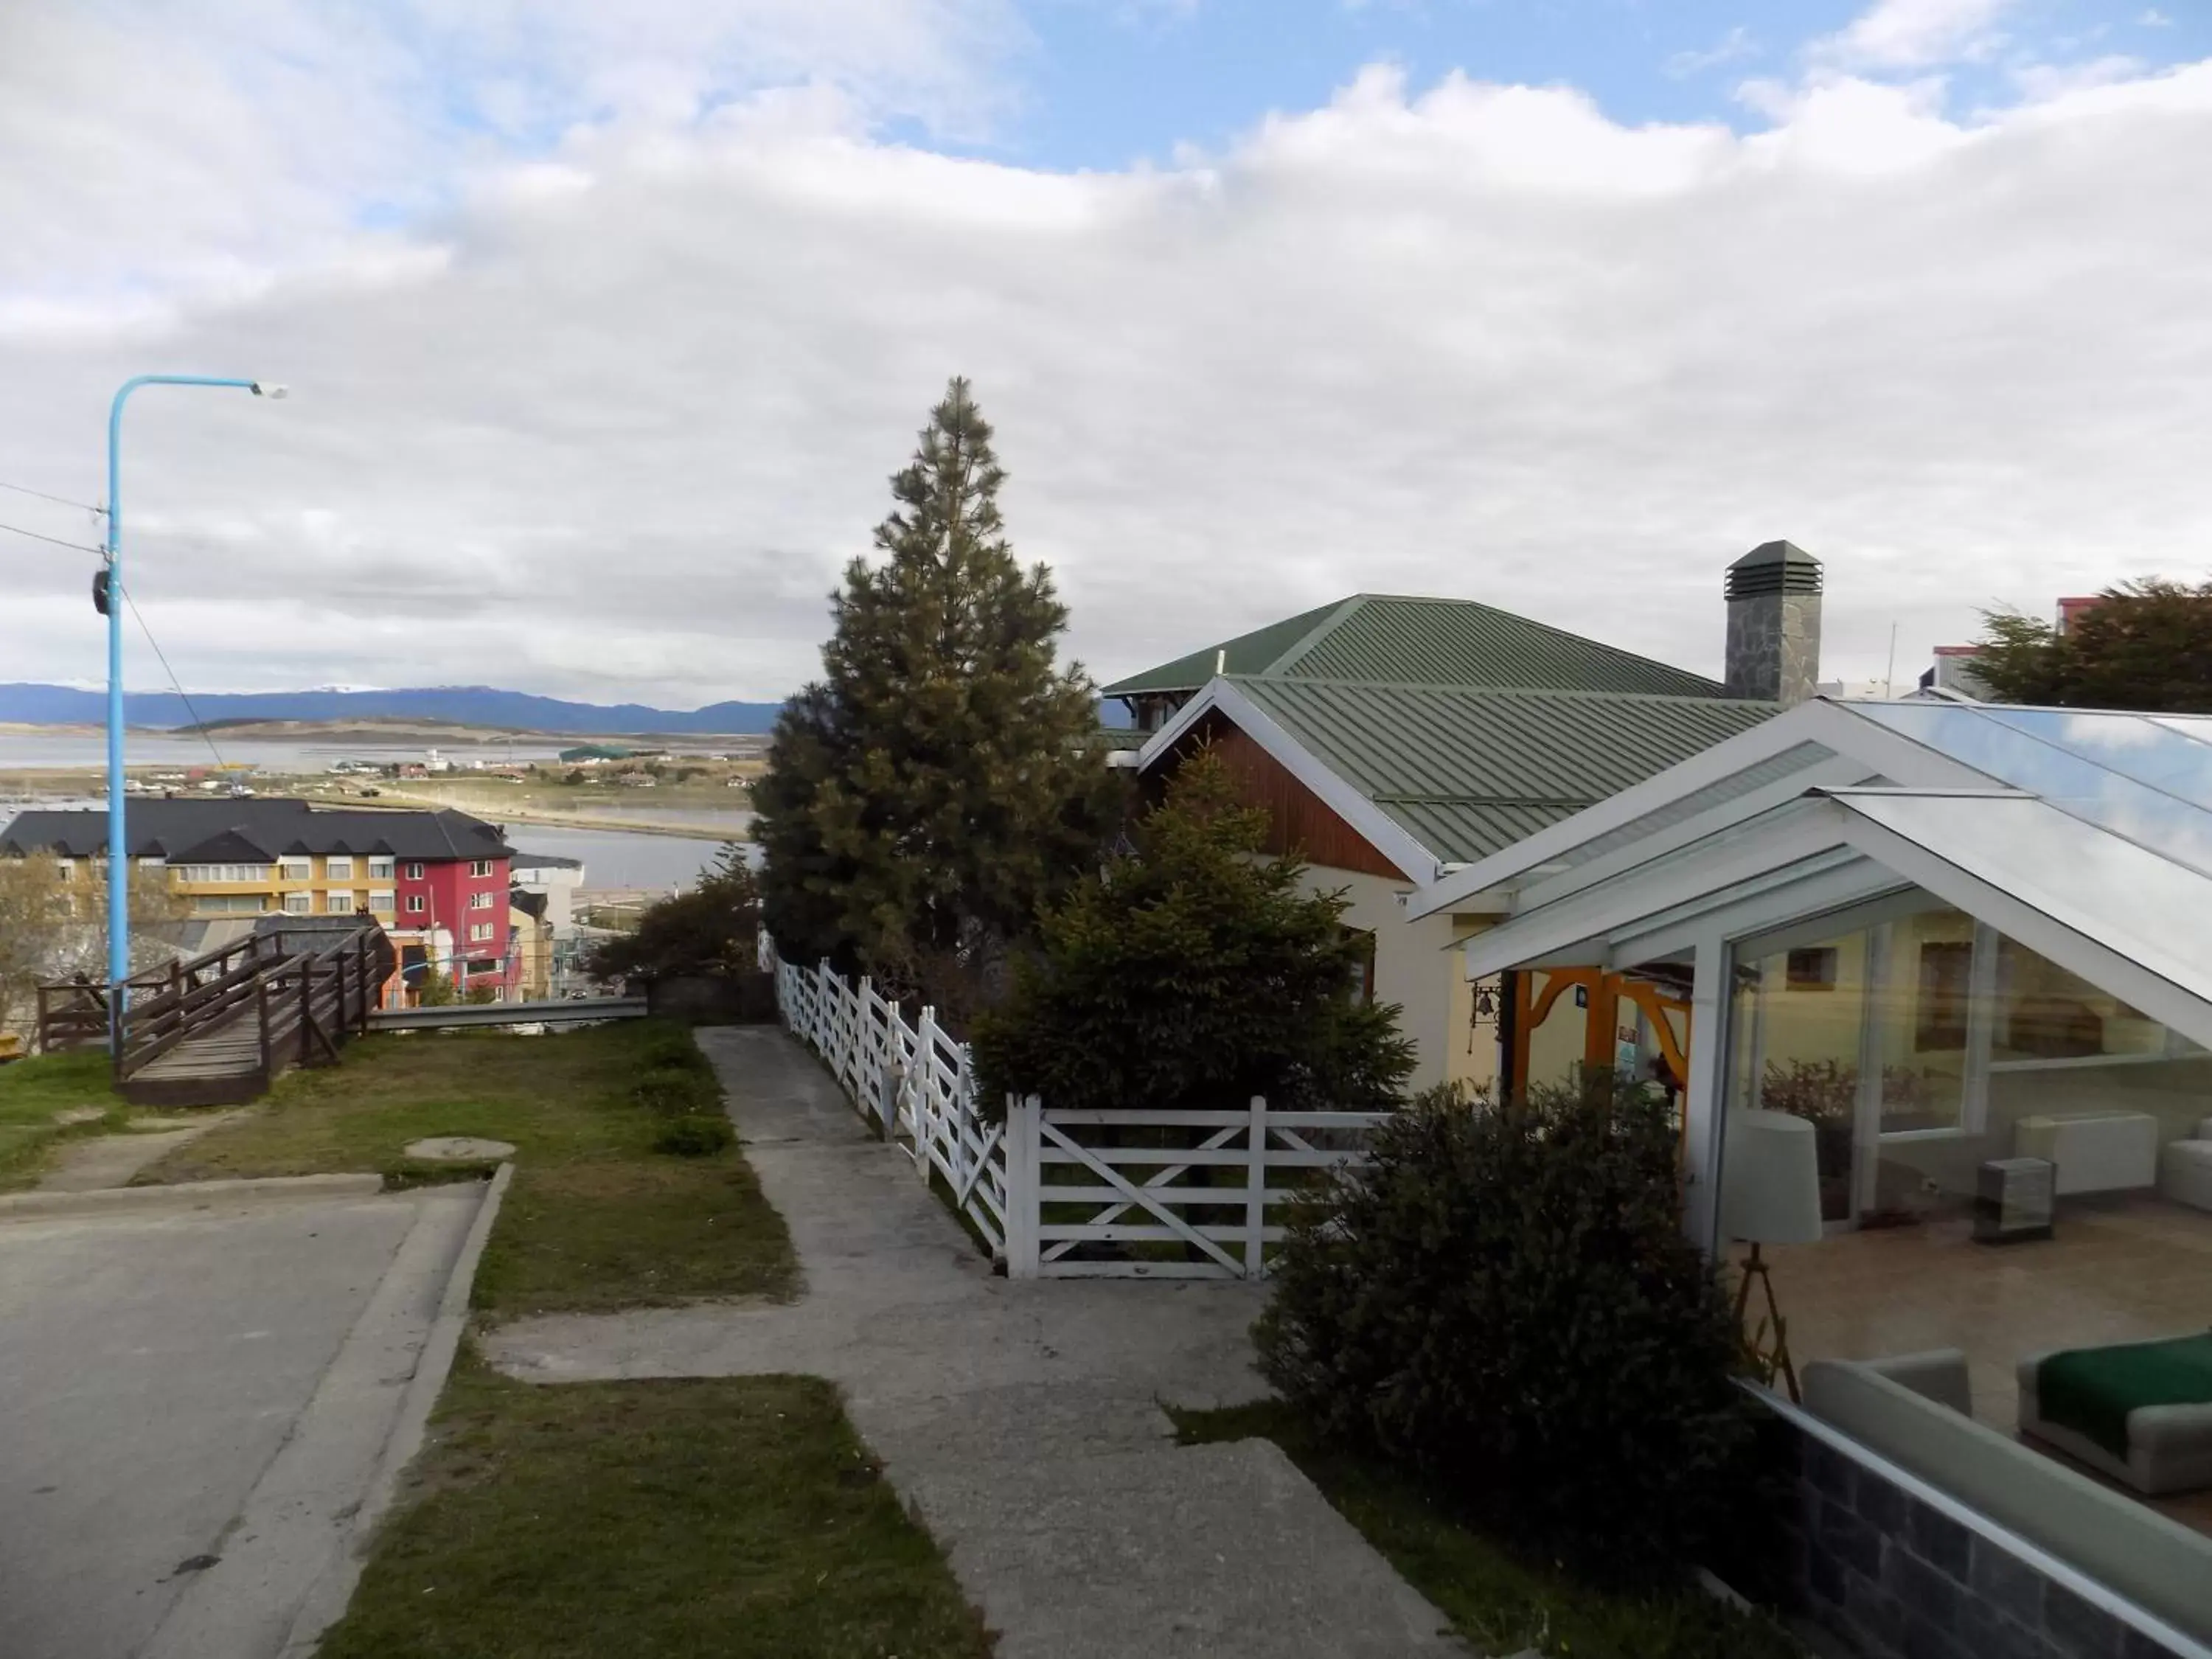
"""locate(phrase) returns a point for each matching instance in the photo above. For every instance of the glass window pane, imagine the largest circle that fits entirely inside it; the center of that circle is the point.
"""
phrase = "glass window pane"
(2175, 828)
(2007, 1160)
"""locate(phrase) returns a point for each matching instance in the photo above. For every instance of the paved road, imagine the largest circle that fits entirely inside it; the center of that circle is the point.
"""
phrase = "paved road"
(192, 1398)
(1023, 1419)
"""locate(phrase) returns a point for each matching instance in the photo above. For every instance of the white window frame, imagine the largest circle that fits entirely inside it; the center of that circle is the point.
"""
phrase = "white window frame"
(296, 869)
(338, 904)
(379, 869)
(383, 898)
(480, 866)
(338, 867)
(414, 869)
(299, 904)
(480, 900)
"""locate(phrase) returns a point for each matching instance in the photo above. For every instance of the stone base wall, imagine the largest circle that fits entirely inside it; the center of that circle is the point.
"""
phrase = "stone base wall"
(1893, 1577)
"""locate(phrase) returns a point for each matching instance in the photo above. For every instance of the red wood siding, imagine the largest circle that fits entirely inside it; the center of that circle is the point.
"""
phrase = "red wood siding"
(1300, 821)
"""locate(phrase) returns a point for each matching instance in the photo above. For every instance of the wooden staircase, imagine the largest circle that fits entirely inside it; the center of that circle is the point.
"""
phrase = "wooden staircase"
(219, 1030)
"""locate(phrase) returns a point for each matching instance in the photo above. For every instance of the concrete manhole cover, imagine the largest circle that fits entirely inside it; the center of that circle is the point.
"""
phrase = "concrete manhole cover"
(459, 1149)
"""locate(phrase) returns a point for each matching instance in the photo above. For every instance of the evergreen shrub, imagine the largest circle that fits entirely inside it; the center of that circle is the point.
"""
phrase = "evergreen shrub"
(1504, 1300)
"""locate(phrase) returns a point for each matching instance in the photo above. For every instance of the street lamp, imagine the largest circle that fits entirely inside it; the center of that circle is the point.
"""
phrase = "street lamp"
(119, 847)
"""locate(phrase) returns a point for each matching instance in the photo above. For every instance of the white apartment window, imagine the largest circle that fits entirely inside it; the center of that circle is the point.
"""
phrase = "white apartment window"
(67, 868)
(479, 932)
(382, 899)
(414, 904)
(480, 900)
(338, 903)
(224, 871)
(414, 870)
(338, 869)
(379, 869)
(480, 867)
(299, 904)
(296, 869)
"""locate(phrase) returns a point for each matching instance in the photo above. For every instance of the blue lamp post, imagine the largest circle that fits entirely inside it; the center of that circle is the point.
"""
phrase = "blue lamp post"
(118, 846)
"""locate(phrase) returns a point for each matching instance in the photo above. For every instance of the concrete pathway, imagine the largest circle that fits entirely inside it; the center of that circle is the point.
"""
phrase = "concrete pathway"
(1022, 1419)
(198, 1390)
(86, 1166)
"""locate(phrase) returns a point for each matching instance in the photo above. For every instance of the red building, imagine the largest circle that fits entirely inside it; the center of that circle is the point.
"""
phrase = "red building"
(453, 912)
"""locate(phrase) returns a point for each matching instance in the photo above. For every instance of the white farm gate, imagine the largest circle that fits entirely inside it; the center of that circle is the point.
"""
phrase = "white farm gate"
(1068, 1195)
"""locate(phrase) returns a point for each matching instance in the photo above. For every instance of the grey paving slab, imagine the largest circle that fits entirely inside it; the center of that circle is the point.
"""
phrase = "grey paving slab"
(1022, 1419)
(191, 1395)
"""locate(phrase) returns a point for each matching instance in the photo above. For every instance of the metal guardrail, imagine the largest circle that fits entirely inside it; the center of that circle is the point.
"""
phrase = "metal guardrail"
(569, 1010)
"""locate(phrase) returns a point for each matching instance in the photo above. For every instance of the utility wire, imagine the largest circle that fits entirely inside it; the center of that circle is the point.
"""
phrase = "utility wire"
(175, 685)
(58, 500)
(35, 536)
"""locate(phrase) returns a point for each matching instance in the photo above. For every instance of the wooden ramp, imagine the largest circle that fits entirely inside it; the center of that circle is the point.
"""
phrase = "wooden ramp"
(219, 1030)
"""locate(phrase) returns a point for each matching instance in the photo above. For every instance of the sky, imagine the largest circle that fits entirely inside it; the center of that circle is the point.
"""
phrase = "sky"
(606, 326)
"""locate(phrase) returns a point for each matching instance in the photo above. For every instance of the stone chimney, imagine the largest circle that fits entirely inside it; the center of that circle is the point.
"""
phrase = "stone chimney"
(1774, 624)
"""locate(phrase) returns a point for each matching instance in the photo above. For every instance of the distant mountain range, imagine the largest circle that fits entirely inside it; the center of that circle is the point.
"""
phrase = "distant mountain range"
(464, 705)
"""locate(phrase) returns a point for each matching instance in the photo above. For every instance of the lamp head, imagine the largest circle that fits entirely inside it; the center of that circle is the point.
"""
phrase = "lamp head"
(271, 390)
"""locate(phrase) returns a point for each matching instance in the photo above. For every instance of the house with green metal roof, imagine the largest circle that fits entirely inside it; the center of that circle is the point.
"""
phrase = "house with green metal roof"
(1395, 638)
(1394, 740)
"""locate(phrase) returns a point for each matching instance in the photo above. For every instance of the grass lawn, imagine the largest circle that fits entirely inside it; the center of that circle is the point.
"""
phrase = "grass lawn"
(1498, 1599)
(595, 1218)
(661, 1520)
(33, 1090)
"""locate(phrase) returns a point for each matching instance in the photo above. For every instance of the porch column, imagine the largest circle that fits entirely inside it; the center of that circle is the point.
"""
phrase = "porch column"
(1704, 1101)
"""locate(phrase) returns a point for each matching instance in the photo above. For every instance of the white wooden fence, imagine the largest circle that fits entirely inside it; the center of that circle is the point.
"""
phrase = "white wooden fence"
(1045, 1184)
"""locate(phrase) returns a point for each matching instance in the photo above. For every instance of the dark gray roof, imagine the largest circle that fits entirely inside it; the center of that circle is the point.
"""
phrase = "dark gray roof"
(230, 831)
(541, 861)
(529, 902)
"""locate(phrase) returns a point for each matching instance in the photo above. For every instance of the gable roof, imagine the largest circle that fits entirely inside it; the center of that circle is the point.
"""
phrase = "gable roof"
(1457, 642)
(1435, 775)
(256, 830)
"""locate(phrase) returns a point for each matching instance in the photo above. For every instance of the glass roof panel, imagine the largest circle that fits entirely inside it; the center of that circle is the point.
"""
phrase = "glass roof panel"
(2130, 900)
(2170, 818)
(2164, 756)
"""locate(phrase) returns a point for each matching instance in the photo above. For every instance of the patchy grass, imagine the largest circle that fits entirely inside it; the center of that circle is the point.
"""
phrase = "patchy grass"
(32, 1092)
(595, 1218)
(735, 1516)
(1500, 1601)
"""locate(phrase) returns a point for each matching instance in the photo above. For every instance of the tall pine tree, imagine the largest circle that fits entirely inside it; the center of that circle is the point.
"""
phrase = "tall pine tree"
(933, 790)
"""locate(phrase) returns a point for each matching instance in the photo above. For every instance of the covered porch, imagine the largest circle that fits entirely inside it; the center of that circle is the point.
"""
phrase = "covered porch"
(1962, 955)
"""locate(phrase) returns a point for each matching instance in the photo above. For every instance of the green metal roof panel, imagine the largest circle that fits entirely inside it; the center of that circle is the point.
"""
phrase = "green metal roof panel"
(1470, 770)
(1459, 642)
(1249, 653)
(1386, 637)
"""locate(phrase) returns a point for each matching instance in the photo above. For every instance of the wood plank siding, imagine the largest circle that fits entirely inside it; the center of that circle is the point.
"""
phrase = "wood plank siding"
(1300, 822)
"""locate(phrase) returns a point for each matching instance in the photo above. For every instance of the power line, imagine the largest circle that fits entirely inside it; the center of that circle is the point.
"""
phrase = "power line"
(58, 500)
(175, 685)
(35, 536)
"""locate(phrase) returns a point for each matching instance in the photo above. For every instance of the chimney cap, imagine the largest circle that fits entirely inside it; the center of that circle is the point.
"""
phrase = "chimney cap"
(1776, 553)
(1774, 567)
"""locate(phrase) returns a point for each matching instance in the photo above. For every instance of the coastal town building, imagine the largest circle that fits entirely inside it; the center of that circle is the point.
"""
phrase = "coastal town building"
(436, 880)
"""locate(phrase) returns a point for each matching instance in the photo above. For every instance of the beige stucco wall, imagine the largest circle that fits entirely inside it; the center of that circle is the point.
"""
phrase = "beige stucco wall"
(1416, 968)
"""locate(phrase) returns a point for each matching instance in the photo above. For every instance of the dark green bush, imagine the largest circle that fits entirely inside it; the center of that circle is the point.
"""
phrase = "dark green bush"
(1194, 971)
(696, 1134)
(676, 1094)
(1504, 1300)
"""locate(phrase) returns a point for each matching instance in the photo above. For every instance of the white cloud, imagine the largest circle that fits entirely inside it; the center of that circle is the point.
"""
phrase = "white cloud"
(1914, 34)
(2155, 19)
(1731, 48)
(606, 421)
